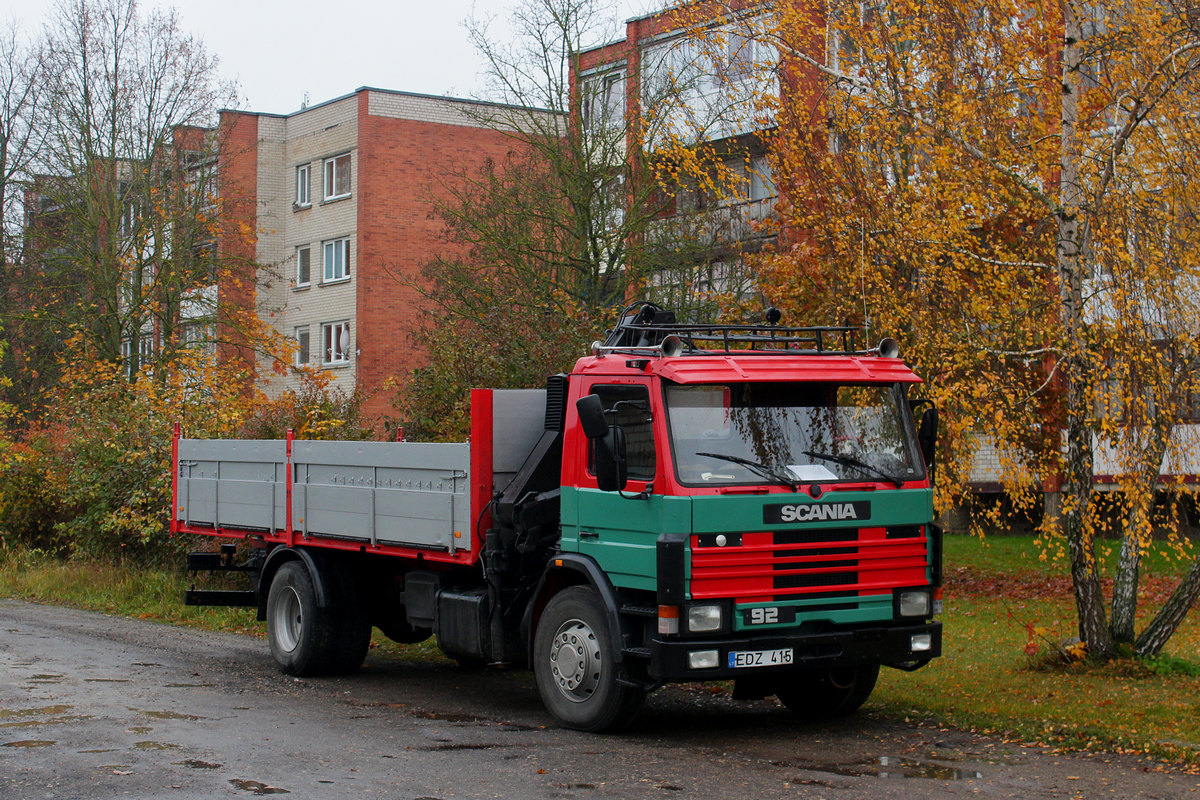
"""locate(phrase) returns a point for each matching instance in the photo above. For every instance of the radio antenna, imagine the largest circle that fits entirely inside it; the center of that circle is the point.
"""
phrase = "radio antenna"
(862, 272)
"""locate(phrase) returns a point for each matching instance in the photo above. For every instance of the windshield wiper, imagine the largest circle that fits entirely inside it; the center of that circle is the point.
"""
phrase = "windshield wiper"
(762, 469)
(850, 461)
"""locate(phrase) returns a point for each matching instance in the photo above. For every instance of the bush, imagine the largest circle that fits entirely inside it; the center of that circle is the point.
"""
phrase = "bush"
(315, 412)
(92, 477)
(29, 513)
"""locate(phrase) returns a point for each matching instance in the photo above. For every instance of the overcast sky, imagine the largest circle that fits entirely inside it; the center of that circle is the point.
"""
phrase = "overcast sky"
(279, 51)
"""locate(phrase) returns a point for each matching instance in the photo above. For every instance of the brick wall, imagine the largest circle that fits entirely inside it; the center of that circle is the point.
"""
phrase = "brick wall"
(237, 180)
(404, 163)
(403, 149)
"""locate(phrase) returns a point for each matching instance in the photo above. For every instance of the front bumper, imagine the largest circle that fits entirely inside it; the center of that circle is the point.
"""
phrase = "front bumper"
(870, 645)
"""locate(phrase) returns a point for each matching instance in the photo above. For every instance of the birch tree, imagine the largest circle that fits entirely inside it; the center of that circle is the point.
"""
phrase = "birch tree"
(127, 209)
(21, 62)
(1009, 186)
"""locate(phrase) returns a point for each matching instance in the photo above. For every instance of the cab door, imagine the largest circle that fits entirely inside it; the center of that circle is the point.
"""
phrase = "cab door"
(620, 529)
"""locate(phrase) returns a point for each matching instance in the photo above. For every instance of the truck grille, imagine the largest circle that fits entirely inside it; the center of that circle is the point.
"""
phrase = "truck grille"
(808, 564)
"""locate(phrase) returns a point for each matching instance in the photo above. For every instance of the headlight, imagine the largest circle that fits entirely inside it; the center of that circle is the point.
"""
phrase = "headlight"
(704, 619)
(914, 604)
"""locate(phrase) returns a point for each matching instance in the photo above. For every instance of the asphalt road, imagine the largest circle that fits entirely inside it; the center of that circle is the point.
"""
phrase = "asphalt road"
(102, 707)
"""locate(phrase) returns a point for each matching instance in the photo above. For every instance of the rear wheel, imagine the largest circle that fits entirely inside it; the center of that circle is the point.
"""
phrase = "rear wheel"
(827, 693)
(302, 636)
(353, 640)
(575, 668)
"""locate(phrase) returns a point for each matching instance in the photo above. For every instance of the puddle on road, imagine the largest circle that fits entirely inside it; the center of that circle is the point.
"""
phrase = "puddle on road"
(33, 712)
(106, 680)
(154, 746)
(195, 763)
(100, 750)
(31, 743)
(574, 786)
(887, 767)
(35, 723)
(139, 729)
(257, 787)
(47, 678)
(29, 717)
(188, 685)
(459, 746)
(166, 714)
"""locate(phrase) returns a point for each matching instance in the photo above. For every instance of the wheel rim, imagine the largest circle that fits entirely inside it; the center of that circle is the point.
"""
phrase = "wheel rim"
(288, 619)
(575, 660)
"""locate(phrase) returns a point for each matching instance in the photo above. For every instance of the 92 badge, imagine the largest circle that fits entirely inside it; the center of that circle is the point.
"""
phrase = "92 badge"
(768, 615)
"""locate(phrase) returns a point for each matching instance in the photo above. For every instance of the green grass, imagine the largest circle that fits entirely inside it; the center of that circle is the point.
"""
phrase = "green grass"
(1003, 553)
(984, 680)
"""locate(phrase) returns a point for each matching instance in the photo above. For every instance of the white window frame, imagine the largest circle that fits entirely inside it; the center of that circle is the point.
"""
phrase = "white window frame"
(303, 185)
(604, 100)
(335, 175)
(335, 260)
(762, 181)
(303, 338)
(335, 351)
(301, 278)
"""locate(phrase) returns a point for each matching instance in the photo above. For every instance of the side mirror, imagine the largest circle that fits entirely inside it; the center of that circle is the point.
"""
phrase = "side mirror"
(608, 459)
(591, 416)
(608, 444)
(927, 438)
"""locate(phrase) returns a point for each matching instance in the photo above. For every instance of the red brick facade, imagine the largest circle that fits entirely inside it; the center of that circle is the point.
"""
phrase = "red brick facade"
(403, 167)
(404, 148)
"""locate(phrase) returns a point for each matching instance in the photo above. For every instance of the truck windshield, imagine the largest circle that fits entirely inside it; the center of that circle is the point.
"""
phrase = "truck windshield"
(790, 433)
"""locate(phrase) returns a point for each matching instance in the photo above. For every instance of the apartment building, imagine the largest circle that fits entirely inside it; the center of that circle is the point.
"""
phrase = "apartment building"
(662, 87)
(334, 207)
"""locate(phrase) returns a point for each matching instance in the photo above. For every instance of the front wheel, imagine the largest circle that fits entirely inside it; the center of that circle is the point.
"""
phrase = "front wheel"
(574, 665)
(827, 693)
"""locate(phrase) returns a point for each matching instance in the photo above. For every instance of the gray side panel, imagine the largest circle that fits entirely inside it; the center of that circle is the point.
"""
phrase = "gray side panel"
(404, 493)
(230, 483)
(407, 493)
(519, 418)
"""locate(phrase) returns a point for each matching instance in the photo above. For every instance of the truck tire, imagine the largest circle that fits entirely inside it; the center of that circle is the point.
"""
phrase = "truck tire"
(353, 640)
(303, 637)
(827, 693)
(574, 667)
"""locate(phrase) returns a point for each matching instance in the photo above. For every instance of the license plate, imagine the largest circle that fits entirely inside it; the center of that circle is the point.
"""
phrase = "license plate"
(760, 658)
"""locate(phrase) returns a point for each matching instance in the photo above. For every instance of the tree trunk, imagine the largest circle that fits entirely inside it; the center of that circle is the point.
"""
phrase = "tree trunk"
(1138, 531)
(1163, 626)
(1072, 266)
(1125, 585)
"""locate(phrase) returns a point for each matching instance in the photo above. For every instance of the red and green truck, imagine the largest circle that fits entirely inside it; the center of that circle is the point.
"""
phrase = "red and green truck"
(691, 503)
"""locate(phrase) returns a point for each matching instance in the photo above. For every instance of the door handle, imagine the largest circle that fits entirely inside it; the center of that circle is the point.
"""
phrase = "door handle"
(588, 535)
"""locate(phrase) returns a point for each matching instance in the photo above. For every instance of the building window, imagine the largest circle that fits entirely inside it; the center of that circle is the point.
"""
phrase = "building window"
(337, 260)
(303, 265)
(302, 345)
(762, 183)
(337, 177)
(335, 339)
(603, 101)
(303, 197)
(129, 219)
(198, 336)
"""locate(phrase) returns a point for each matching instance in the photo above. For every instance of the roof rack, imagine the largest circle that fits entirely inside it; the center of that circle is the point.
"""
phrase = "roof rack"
(645, 326)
